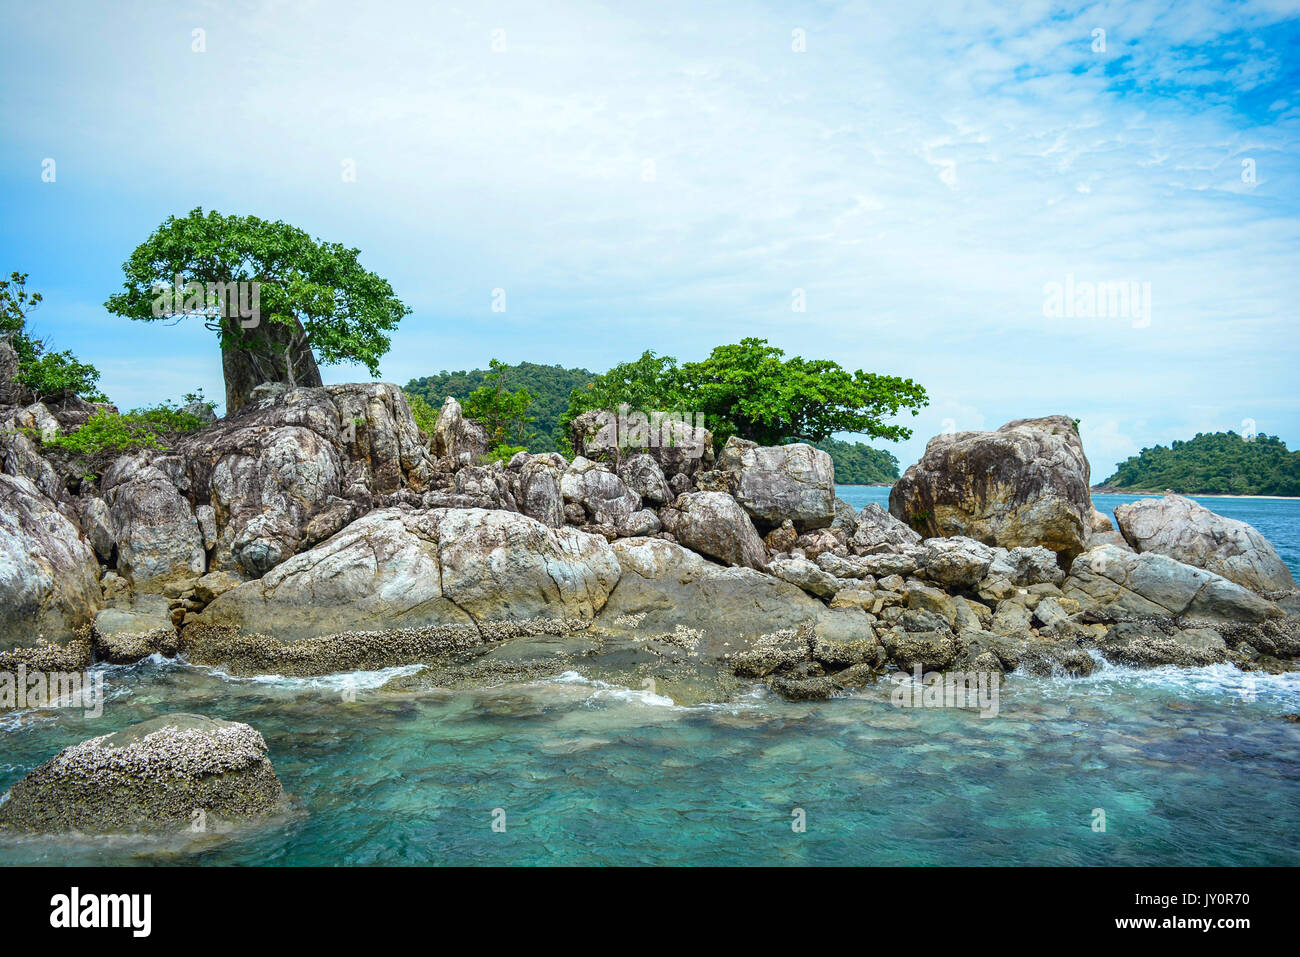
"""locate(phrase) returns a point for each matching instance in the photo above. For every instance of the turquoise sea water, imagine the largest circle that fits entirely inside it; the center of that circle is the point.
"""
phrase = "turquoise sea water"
(1277, 519)
(1189, 766)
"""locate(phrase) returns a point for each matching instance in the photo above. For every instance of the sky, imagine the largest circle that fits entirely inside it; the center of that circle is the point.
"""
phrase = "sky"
(676, 176)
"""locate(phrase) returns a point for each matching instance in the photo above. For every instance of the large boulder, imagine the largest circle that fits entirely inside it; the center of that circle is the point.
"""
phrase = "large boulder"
(779, 482)
(157, 534)
(293, 467)
(129, 629)
(455, 436)
(642, 474)
(595, 487)
(412, 568)
(1144, 644)
(956, 562)
(1187, 531)
(713, 524)
(165, 774)
(667, 589)
(537, 491)
(49, 585)
(1111, 581)
(1025, 484)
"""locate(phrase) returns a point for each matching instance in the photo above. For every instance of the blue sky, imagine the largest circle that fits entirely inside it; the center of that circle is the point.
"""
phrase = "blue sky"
(920, 171)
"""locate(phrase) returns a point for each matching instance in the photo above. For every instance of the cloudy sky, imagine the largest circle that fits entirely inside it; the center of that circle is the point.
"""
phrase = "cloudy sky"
(668, 179)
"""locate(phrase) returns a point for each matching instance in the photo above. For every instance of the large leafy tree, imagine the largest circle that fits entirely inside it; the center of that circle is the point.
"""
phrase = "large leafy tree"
(750, 389)
(769, 399)
(315, 301)
(502, 412)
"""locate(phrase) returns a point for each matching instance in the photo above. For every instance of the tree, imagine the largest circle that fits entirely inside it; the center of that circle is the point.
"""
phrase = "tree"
(49, 376)
(503, 413)
(301, 300)
(749, 389)
(649, 383)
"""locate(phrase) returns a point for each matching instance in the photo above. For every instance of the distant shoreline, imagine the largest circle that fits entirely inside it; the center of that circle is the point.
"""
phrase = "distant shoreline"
(1104, 490)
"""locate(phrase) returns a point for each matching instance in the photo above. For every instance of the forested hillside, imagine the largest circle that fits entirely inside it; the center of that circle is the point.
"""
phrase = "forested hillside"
(1213, 463)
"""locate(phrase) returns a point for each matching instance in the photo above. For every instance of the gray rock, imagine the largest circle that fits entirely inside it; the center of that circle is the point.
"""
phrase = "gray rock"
(801, 572)
(955, 562)
(538, 491)
(149, 777)
(1120, 583)
(1190, 533)
(48, 573)
(1141, 644)
(879, 532)
(454, 435)
(410, 568)
(1026, 566)
(597, 489)
(713, 524)
(1025, 484)
(642, 474)
(157, 535)
(774, 483)
(135, 628)
(678, 447)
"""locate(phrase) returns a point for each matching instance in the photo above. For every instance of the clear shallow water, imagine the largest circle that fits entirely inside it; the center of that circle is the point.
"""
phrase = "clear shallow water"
(1191, 767)
(1278, 520)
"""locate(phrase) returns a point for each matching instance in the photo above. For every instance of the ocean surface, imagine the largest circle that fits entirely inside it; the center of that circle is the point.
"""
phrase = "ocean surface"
(1183, 767)
(1277, 519)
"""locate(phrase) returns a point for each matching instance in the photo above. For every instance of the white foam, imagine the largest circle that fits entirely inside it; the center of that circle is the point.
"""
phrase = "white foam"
(338, 681)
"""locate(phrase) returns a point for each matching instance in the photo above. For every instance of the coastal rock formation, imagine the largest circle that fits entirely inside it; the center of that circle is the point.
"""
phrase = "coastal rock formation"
(48, 573)
(1146, 644)
(1025, 484)
(713, 524)
(411, 568)
(133, 628)
(1187, 531)
(455, 436)
(775, 483)
(156, 533)
(677, 446)
(150, 777)
(1120, 583)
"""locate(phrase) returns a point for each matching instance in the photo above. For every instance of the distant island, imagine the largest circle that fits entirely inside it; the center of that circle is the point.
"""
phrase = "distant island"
(552, 386)
(1213, 463)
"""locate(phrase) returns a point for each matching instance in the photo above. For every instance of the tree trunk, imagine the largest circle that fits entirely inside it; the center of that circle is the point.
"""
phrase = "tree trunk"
(264, 360)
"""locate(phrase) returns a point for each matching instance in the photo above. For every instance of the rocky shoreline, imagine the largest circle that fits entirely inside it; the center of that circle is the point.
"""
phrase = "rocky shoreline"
(319, 530)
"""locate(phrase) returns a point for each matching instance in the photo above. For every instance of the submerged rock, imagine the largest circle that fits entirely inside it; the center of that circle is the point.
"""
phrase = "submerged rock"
(165, 774)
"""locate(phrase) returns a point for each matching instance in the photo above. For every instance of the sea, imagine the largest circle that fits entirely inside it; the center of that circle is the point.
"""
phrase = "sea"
(1168, 766)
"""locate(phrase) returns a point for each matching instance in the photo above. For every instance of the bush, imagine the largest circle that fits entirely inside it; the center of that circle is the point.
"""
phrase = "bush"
(425, 415)
(109, 434)
(49, 376)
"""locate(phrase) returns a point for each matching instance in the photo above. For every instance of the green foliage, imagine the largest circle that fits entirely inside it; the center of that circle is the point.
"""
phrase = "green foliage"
(49, 376)
(425, 415)
(749, 389)
(502, 453)
(126, 432)
(503, 413)
(549, 386)
(1213, 463)
(858, 464)
(344, 311)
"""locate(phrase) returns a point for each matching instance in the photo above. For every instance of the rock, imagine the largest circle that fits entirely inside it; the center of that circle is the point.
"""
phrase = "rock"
(775, 483)
(955, 562)
(1111, 581)
(149, 777)
(879, 532)
(97, 526)
(49, 584)
(931, 650)
(801, 572)
(37, 419)
(454, 435)
(20, 458)
(665, 587)
(412, 568)
(885, 565)
(157, 535)
(207, 588)
(598, 490)
(846, 517)
(712, 524)
(782, 538)
(1025, 484)
(642, 474)
(1099, 522)
(639, 523)
(1190, 533)
(128, 630)
(921, 597)
(1048, 659)
(1011, 619)
(1141, 644)
(201, 411)
(11, 392)
(678, 447)
(1026, 566)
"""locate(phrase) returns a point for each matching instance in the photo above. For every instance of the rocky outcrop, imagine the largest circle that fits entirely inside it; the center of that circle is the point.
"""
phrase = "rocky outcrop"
(1111, 581)
(1192, 534)
(412, 568)
(156, 533)
(130, 629)
(457, 437)
(1145, 644)
(775, 483)
(713, 524)
(164, 774)
(1025, 484)
(678, 447)
(600, 492)
(49, 583)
